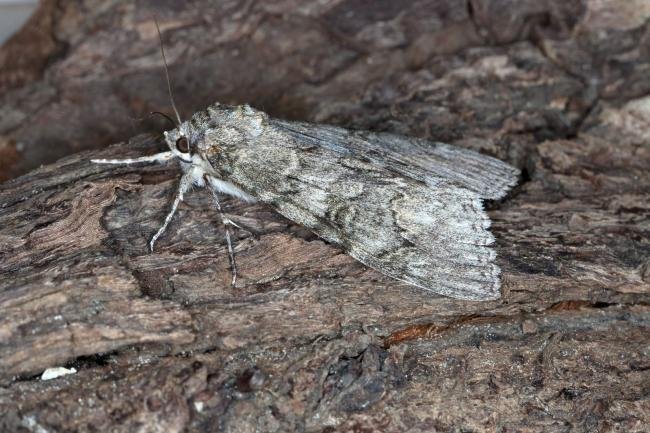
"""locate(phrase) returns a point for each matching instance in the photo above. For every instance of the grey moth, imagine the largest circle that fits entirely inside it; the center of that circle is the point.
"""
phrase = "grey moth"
(410, 208)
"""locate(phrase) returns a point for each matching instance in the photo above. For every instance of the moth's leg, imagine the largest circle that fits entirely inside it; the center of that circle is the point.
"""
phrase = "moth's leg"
(183, 187)
(158, 157)
(231, 252)
(226, 222)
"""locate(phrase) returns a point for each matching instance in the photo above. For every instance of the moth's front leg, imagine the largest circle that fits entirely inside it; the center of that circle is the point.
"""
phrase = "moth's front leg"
(158, 157)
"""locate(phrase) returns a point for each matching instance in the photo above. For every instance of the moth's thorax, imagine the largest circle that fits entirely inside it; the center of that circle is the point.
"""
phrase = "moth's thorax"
(219, 127)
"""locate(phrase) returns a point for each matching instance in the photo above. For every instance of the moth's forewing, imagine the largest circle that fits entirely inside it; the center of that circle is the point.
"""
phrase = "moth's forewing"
(410, 209)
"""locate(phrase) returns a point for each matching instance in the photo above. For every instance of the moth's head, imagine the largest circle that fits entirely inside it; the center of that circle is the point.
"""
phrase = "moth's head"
(181, 142)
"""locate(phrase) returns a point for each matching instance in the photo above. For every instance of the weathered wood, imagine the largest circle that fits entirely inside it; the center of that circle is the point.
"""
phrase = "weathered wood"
(311, 340)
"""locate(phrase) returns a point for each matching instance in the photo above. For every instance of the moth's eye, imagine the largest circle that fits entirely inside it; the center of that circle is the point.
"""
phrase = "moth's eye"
(183, 145)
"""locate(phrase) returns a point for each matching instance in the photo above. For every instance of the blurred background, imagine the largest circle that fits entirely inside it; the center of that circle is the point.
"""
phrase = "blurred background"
(13, 14)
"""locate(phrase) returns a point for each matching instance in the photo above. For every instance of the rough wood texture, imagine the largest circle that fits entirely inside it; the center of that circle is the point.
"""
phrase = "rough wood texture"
(312, 340)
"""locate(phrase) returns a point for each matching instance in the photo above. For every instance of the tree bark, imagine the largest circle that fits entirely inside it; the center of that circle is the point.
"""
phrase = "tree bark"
(310, 339)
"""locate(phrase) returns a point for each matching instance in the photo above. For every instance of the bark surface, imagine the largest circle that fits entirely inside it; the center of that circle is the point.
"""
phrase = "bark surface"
(311, 340)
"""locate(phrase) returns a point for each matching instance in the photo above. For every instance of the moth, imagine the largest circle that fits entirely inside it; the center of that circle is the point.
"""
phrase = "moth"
(410, 208)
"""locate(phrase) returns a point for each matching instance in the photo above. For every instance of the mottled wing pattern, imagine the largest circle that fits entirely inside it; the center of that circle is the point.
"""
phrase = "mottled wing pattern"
(414, 221)
(431, 162)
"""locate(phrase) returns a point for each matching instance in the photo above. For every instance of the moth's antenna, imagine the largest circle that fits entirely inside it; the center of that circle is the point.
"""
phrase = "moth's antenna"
(151, 114)
(169, 83)
(163, 115)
